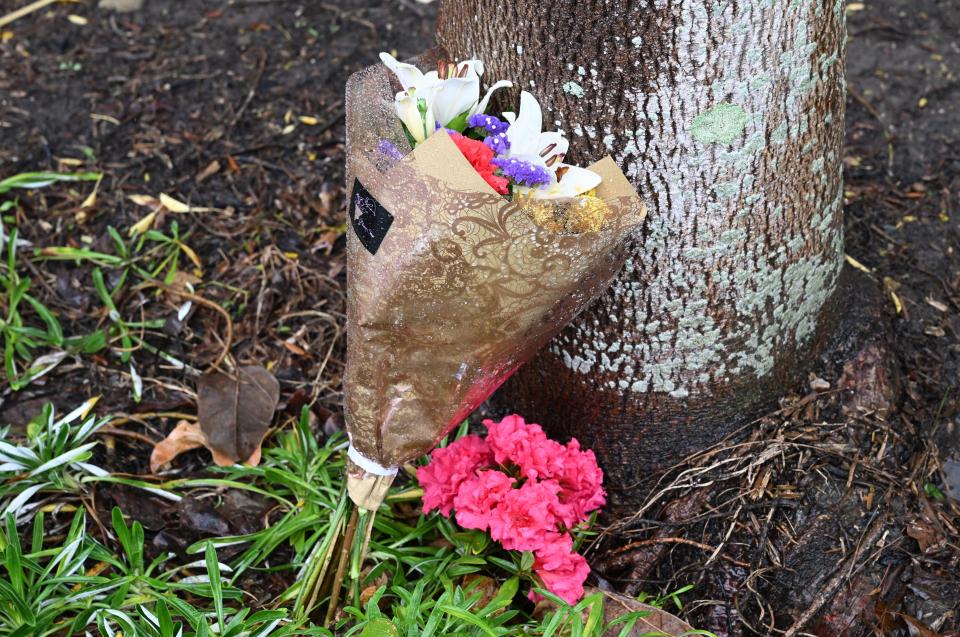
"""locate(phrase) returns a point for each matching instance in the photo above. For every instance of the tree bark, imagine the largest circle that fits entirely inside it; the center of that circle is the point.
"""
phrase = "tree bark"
(727, 115)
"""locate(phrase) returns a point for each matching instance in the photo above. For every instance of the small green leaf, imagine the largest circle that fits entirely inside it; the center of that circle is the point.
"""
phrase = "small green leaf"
(380, 627)
(933, 492)
(526, 561)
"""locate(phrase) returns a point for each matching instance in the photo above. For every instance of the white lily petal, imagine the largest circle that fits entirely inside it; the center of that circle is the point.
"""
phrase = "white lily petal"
(455, 96)
(574, 182)
(509, 116)
(525, 131)
(409, 113)
(474, 67)
(430, 121)
(481, 107)
(408, 74)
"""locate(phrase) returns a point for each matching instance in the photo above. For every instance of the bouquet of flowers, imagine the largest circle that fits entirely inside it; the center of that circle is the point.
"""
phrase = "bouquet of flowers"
(471, 244)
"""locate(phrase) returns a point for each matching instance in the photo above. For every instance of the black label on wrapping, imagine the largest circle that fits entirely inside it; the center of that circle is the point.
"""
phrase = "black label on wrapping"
(369, 219)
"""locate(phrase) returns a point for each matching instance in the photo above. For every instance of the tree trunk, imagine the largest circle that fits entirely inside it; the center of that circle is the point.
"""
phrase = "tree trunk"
(727, 115)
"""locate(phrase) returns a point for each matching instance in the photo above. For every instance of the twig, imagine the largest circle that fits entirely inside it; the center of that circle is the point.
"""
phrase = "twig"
(677, 540)
(227, 338)
(261, 67)
(110, 431)
(27, 10)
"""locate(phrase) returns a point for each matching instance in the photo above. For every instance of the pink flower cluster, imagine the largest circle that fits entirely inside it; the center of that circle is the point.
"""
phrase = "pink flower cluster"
(528, 491)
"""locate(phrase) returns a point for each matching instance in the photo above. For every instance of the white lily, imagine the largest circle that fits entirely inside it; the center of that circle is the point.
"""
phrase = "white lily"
(419, 123)
(441, 96)
(529, 143)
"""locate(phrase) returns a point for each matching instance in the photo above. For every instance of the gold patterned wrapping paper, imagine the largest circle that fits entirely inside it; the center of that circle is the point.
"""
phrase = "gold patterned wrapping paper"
(451, 287)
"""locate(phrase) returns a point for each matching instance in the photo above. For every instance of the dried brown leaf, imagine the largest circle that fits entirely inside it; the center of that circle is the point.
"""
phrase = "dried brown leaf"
(235, 411)
(184, 437)
(657, 621)
(212, 169)
(183, 282)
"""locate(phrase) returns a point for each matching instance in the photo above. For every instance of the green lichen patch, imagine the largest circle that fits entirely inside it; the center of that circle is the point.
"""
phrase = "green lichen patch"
(573, 89)
(722, 124)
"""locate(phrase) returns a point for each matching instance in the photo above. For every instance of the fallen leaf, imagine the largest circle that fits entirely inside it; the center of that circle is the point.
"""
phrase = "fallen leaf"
(857, 264)
(235, 411)
(79, 20)
(937, 305)
(121, 6)
(91, 200)
(145, 200)
(917, 628)
(308, 120)
(172, 204)
(182, 282)
(144, 224)
(658, 622)
(192, 255)
(184, 437)
(212, 169)
(928, 537)
(891, 286)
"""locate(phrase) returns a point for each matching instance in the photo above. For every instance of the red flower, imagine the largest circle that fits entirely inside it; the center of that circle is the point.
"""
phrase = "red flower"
(581, 485)
(479, 496)
(523, 519)
(527, 446)
(562, 570)
(480, 157)
(449, 467)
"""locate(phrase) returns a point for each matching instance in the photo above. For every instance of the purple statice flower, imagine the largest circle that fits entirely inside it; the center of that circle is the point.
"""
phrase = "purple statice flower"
(498, 143)
(522, 172)
(489, 123)
(389, 149)
(496, 130)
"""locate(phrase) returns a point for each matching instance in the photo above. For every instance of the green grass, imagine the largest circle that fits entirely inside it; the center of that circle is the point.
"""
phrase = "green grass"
(33, 340)
(65, 579)
(27, 325)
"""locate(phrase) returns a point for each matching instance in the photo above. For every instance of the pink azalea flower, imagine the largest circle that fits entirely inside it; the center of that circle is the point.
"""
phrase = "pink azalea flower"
(449, 466)
(478, 496)
(581, 485)
(525, 445)
(524, 517)
(562, 571)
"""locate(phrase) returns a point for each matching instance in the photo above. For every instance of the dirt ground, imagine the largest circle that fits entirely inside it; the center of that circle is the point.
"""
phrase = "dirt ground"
(827, 518)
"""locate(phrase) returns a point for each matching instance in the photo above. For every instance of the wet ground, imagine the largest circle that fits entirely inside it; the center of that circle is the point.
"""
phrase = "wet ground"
(238, 106)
